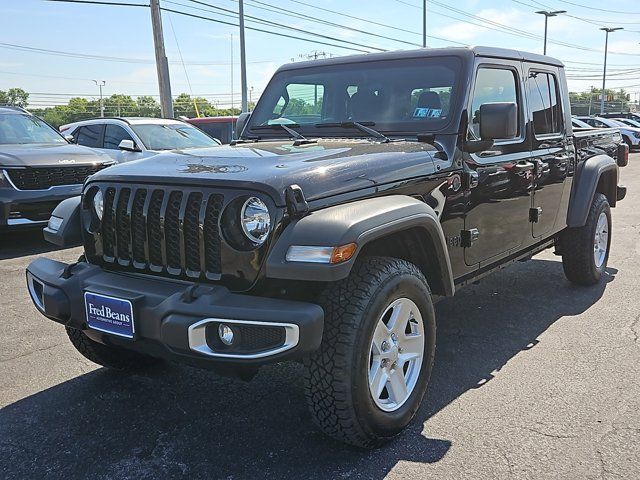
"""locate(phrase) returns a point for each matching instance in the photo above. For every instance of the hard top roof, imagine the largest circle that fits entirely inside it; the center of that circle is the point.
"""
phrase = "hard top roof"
(477, 51)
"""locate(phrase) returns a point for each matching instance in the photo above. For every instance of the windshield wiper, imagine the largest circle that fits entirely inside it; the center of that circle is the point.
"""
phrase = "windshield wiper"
(299, 139)
(360, 126)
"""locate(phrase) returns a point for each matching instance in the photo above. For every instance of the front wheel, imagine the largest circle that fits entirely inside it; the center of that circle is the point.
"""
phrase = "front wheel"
(367, 380)
(585, 250)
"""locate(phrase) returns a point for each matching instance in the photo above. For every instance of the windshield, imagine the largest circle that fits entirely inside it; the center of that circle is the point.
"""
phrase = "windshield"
(173, 136)
(616, 123)
(580, 124)
(396, 96)
(26, 129)
(633, 123)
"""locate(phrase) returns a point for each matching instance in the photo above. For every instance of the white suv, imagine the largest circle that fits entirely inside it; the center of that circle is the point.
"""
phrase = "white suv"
(132, 138)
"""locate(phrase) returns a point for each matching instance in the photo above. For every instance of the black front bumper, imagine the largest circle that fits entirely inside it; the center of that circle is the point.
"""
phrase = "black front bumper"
(31, 208)
(171, 317)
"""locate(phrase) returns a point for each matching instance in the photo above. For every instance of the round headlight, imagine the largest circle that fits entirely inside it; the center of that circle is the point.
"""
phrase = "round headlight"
(255, 220)
(98, 204)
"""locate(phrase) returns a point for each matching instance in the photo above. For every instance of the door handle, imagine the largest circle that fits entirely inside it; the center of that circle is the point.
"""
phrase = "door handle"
(523, 167)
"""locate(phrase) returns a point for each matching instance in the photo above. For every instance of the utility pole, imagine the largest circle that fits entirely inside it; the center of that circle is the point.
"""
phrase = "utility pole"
(232, 102)
(243, 59)
(604, 72)
(548, 14)
(424, 23)
(162, 64)
(100, 84)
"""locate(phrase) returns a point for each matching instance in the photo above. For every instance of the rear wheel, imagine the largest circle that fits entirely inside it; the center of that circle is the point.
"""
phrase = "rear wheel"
(585, 250)
(367, 380)
(110, 357)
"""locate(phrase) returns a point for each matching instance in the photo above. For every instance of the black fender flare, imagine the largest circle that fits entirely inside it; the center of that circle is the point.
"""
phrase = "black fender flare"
(358, 222)
(585, 185)
(69, 233)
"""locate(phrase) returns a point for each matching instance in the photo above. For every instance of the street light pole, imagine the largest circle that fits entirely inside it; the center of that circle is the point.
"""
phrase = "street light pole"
(604, 71)
(243, 59)
(100, 84)
(424, 23)
(548, 14)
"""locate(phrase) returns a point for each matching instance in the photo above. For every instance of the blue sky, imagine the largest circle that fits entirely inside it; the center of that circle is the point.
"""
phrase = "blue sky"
(125, 33)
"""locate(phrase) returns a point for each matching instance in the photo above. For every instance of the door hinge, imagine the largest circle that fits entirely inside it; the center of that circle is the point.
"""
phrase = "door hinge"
(535, 214)
(469, 236)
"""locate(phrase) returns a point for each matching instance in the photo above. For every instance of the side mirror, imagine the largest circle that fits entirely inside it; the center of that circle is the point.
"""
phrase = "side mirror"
(70, 138)
(498, 120)
(128, 146)
(241, 123)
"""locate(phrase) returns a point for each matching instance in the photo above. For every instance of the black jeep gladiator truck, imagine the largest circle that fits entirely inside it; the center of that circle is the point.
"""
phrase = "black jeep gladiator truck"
(360, 190)
(38, 169)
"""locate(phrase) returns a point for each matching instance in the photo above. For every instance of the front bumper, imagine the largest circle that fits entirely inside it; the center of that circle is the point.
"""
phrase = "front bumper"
(32, 208)
(171, 318)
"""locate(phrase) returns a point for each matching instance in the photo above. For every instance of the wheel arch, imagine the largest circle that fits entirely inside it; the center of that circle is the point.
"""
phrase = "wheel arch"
(599, 174)
(397, 226)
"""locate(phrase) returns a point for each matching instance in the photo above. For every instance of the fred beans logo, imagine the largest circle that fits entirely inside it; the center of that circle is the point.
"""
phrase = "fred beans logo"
(108, 314)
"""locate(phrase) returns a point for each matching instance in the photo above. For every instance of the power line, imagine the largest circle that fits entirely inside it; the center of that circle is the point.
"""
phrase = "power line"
(385, 25)
(267, 31)
(599, 9)
(279, 25)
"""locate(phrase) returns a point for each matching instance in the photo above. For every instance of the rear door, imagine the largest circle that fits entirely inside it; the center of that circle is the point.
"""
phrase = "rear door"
(498, 206)
(89, 135)
(551, 147)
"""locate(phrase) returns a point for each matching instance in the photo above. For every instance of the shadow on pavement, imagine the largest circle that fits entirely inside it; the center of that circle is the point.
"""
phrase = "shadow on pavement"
(23, 243)
(176, 421)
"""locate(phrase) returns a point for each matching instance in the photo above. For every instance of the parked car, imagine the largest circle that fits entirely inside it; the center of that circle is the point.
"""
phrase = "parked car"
(132, 138)
(630, 135)
(38, 168)
(576, 123)
(221, 128)
(629, 121)
(350, 202)
(631, 115)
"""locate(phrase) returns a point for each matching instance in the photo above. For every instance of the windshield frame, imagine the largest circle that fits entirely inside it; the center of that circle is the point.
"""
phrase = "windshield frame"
(462, 65)
(63, 141)
(172, 126)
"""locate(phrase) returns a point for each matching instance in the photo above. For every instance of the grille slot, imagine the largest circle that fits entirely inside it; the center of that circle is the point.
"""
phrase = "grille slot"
(41, 178)
(160, 230)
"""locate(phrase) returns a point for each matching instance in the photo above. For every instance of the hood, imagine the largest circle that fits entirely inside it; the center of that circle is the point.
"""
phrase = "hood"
(323, 169)
(49, 155)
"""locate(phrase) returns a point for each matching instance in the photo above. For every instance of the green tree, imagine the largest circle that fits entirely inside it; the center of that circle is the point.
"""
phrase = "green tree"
(16, 97)
(120, 105)
(148, 106)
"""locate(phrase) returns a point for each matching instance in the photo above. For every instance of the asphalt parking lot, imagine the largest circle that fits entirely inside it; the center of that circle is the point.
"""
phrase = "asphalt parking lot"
(534, 378)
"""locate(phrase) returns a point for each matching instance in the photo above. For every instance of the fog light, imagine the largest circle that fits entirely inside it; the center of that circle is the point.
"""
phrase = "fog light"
(225, 333)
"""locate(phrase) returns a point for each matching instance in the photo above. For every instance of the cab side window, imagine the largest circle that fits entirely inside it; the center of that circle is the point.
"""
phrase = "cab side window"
(113, 135)
(544, 102)
(492, 85)
(89, 136)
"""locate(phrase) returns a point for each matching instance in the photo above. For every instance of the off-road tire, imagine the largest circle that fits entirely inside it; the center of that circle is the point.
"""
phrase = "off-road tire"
(578, 245)
(336, 385)
(110, 357)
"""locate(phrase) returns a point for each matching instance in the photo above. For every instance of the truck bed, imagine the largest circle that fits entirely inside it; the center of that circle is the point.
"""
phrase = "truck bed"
(593, 141)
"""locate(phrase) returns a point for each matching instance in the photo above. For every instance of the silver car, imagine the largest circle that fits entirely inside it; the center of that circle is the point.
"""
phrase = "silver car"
(630, 135)
(132, 138)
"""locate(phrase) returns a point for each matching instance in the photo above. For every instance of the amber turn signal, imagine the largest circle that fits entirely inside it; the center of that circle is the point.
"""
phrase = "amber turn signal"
(343, 253)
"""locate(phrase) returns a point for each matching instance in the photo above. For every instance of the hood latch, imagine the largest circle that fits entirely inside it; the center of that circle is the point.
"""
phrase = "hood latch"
(297, 205)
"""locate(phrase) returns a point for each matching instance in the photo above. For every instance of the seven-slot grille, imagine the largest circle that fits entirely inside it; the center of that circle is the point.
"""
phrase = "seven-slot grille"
(41, 178)
(159, 229)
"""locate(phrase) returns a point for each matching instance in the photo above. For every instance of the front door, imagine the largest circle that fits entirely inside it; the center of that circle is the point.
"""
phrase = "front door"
(497, 217)
(551, 149)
